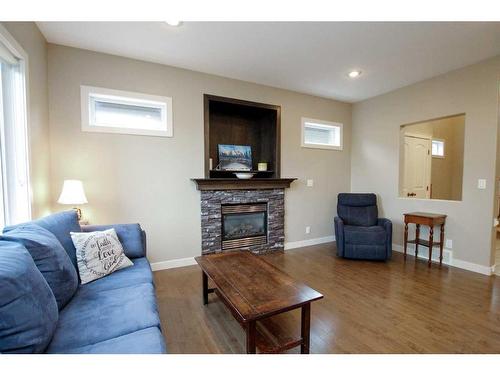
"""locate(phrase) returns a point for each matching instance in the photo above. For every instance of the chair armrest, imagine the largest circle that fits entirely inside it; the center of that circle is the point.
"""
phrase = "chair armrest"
(387, 225)
(339, 235)
(132, 237)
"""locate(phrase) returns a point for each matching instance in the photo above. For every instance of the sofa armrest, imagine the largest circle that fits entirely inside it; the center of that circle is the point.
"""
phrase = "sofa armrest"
(339, 235)
(387, 225)
(132, 237)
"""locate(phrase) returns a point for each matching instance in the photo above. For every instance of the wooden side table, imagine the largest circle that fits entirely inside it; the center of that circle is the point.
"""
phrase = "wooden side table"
(431, 220)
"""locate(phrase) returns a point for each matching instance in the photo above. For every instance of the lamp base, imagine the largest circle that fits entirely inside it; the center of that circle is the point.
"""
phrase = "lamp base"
(78, 213)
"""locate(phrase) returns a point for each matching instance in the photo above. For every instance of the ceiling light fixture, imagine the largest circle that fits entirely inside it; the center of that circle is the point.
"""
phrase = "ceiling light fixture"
(354, 73)
(173, 23)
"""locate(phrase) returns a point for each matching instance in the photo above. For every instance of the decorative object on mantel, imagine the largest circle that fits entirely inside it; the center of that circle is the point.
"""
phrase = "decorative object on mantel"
(431, 220)
(73, 194)
(235, 158)
(244, 175)
(262, 167)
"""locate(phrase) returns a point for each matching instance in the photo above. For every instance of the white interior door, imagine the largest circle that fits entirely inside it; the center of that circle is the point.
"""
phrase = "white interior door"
(417, 167)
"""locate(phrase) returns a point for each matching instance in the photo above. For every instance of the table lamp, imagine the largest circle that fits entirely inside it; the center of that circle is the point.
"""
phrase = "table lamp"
(73, 193)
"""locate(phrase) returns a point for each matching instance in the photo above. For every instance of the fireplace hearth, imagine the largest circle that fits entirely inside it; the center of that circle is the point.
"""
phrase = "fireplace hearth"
(244, 225)
(242, 219)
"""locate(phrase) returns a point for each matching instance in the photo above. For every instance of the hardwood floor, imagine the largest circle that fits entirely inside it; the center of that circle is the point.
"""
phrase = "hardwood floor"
(369, 307)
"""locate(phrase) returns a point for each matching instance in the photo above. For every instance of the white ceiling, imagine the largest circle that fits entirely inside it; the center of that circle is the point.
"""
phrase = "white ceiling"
(309, 57)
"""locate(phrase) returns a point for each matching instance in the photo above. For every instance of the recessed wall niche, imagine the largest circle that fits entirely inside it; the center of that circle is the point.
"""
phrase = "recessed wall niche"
(238, 122)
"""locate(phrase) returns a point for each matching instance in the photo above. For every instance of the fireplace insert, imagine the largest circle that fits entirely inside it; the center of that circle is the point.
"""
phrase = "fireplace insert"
(244, 225)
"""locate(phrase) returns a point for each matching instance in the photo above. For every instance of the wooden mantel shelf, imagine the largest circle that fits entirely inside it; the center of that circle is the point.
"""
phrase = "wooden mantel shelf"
(241, 184)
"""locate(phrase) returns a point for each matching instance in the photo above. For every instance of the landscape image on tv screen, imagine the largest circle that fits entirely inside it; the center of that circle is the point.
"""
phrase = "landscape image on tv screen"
(235, 157)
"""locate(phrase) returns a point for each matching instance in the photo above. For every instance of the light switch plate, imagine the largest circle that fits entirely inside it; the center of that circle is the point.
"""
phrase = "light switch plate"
(310, 183)
(481, 183)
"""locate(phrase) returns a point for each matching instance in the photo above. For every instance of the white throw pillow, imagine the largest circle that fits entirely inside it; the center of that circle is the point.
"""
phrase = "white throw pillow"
(98, 254)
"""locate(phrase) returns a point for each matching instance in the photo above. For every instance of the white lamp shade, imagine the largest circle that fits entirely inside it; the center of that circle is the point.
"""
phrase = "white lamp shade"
(72, 193)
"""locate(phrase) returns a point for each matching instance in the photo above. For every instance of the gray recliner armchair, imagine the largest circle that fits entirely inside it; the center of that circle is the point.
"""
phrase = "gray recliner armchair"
(359, 233)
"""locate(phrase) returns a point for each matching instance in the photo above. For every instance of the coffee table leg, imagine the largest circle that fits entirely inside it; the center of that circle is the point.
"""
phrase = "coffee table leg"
(305, 328)
(250, 333)
(204, 279)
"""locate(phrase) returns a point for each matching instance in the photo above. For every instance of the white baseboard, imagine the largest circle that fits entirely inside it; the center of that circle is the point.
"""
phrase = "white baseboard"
(423, 254)
(485, 270)
(447, 259)
(312, 241)
(183, 262)
(174, 263)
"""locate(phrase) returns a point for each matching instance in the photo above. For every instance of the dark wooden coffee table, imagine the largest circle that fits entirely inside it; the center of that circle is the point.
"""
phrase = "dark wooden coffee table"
(254, 291)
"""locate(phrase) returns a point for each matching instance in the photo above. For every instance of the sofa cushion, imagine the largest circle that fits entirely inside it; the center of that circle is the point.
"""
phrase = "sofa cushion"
(98, 254)
(90, 318)
(138, 274)
(60, 225)
(357, 209)
(131, 236)
(365, 242)
(361, 216)
(357, 199)
(144, 341)
(28, 308)
(50, 258)
(356, 235)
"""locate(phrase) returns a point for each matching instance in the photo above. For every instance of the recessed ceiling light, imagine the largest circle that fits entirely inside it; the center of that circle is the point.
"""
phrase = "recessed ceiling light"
(354, 73)
(173, 23)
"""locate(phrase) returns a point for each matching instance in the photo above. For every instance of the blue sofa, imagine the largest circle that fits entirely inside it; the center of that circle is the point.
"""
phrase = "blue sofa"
(359, 233)
(115, 314)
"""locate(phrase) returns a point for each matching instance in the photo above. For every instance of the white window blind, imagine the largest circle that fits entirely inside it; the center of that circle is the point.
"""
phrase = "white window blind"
(127, 115)
(116, 111)
(15, 192)
(321, 134)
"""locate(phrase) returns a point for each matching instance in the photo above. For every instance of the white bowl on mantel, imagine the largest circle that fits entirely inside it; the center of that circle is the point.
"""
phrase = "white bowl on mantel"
(244, 175)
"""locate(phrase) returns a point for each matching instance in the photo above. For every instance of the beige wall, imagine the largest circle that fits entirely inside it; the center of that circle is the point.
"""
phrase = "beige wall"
(147, 179)
(374, 163)
(34, 44)
(447, 172)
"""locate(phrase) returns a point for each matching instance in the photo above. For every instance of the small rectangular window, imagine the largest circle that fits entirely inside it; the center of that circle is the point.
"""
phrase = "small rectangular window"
(438, 148)
(321, 134)
(114, 111)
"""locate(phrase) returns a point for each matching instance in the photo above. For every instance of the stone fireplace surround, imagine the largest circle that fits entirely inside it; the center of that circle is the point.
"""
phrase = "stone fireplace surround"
(211, 217)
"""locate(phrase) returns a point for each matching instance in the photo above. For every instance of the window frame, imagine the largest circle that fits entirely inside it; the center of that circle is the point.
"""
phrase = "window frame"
(331, 124)
(17, 50)
(444, 148)
(88, 93)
